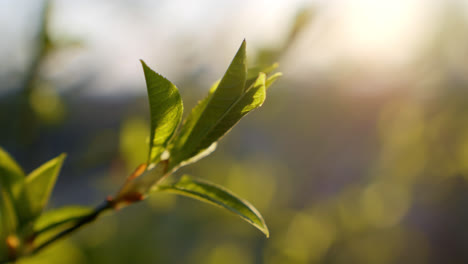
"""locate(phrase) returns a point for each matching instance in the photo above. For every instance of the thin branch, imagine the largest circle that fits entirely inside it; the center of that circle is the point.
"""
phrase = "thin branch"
(106, 205)
(86, 220)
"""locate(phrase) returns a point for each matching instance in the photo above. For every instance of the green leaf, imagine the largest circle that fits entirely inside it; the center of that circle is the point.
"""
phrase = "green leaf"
(11, 183)
(11, 174)
(252, 73)
(38, 188)
(272, 79)
(217, 195)
(55, 219)
(251, 99)
(200, 155)
(166, 111)
(229, 100)
(8, 220)
(8, 217)
(187, 128)
(210, 110)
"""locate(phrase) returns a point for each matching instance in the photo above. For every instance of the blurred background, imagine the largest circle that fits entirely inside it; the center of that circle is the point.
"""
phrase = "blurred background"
(359, 155)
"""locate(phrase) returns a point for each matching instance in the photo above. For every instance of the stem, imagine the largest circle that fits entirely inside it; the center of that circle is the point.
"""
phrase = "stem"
(106, 205)
(86, 220)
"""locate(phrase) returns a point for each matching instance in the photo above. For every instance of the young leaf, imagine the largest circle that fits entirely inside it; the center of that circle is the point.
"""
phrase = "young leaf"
(251, 99)
(188, 126)
(56, 218)
(166, 111)
(272, 79)
(200, 155)
(217, 195)
(252, 73)
(38, 188)
(11, 183)
(11, 174)
(8, 221)
(8, 217)
(211, 110)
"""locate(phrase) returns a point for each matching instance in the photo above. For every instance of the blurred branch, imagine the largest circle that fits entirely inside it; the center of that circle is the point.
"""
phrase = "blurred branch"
(268, 55)
(86, 220)
(27, 125)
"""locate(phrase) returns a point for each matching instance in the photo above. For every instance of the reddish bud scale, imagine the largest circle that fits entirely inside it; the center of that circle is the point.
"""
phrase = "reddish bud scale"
(138, 171)
(125, 200)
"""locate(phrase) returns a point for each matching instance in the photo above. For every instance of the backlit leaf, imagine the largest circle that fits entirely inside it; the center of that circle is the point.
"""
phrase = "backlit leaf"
(272, 79)
(252, 73)
(251, 99)
(166, 111)
(211, 110)
(217, 195)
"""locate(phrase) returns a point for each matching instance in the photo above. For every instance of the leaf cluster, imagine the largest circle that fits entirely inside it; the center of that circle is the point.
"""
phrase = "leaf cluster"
(173, 143)
(23, 198)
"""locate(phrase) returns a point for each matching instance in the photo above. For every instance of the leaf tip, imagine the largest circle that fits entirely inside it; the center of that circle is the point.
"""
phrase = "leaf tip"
(61, 158)
(266, 231)
(242, 47)
(275, 76)
(143, 64)
(261, 225)
(272, 79)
